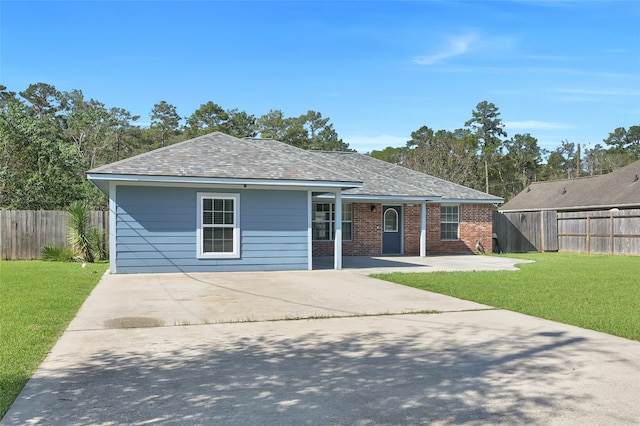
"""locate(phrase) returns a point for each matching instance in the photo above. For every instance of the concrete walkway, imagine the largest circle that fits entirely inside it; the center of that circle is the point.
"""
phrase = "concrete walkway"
(167, 349)
(386, 264)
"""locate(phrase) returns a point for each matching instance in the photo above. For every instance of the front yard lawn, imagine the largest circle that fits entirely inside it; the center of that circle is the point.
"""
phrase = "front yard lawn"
(591, 291)
(38, 301)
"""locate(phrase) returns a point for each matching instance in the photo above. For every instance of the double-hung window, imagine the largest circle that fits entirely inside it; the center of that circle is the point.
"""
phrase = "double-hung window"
(218, 227)
(323, 221)
(449, 221)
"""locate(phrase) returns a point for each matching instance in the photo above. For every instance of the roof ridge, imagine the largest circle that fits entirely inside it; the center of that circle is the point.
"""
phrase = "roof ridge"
(307, 153)
(582, 178)
(395, 166)
(399, 174)
(448, 182)
(431, 176)
(154, 151)
(617, 188)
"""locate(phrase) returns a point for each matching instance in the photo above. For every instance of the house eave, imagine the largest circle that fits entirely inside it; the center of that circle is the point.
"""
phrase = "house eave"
(102, 180)
(494, 201)
(379, 198)
(408, 199)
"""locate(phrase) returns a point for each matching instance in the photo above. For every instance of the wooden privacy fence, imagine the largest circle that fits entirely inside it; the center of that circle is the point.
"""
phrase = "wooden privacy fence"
(23, 233)
(520, 232)
(600, 232)
(594, 231)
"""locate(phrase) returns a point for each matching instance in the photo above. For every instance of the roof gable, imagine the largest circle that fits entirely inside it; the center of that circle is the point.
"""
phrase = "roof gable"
(620, 188)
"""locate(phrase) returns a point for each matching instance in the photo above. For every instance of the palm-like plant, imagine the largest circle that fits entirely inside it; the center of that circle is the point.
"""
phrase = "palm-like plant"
(98, 243)
(53, 253)
(79, 230)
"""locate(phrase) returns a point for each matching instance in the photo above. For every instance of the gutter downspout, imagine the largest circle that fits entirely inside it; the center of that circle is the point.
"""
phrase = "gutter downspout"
(423, 229)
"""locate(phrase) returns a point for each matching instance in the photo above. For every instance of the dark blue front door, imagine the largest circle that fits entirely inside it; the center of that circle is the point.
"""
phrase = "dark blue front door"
(391, 229)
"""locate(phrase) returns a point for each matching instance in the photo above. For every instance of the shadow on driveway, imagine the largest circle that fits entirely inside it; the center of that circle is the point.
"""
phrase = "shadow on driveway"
(455, 368)
(469, 364)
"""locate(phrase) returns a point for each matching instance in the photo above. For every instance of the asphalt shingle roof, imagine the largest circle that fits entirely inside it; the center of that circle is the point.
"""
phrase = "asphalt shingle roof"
(617, 189)
(218, 155)
(383, 178)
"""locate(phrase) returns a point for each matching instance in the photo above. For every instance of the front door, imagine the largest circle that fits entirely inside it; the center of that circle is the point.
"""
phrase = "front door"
(391, 229)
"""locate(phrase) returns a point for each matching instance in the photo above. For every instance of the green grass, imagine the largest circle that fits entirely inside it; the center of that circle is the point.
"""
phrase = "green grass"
(38, 301)
(596, 292)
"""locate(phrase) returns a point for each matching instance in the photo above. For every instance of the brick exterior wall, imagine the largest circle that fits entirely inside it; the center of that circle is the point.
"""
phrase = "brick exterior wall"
(476, 224)
(367, 234)
(412, 229)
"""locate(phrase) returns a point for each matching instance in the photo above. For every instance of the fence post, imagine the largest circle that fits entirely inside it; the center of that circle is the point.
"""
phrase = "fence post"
(588, 234)
(611, 212)
(542, 233)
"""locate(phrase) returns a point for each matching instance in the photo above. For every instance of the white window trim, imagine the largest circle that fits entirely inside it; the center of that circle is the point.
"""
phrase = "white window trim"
(236, 226)
(384, 220)
(458, 222)
(331, 229)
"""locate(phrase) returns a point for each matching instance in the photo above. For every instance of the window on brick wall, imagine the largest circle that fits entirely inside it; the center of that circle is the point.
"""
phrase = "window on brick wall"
(449, 221)
(323, 221)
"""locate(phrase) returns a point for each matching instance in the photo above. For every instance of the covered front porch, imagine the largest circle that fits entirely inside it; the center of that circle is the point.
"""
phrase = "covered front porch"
(355, 227)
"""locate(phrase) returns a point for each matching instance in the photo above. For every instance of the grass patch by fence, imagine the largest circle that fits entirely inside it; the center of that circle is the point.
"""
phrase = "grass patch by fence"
(597, 292)
(39, 299)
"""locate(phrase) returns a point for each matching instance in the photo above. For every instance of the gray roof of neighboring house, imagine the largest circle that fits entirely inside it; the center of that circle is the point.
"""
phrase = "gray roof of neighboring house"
(217, 155)
(620, 188)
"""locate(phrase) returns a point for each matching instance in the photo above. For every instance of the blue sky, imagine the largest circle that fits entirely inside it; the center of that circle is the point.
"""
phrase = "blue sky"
(559, 70)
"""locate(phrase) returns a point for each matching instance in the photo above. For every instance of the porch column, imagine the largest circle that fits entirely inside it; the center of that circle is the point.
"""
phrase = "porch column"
(337, 249)
(113, 211)
(423, 229)
(310, 231)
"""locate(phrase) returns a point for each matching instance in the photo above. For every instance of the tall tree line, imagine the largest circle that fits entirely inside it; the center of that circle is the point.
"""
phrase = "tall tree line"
(481, 155)
(50, 138)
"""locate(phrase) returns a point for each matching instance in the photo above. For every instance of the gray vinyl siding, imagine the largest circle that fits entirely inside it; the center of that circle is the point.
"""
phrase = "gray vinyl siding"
(156, 231)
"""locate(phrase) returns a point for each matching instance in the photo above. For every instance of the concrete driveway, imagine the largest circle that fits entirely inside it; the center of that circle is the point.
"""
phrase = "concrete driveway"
(177, 349)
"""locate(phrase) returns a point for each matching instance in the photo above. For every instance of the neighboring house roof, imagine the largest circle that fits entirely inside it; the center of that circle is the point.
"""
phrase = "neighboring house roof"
(620, 188)
(220, 157)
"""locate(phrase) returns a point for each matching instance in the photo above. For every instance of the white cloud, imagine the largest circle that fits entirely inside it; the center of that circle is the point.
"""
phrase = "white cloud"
(533, 124)
(455, 46)
(364, 144)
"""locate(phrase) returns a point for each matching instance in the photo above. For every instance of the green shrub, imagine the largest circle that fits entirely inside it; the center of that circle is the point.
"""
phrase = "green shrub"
(53, 253)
